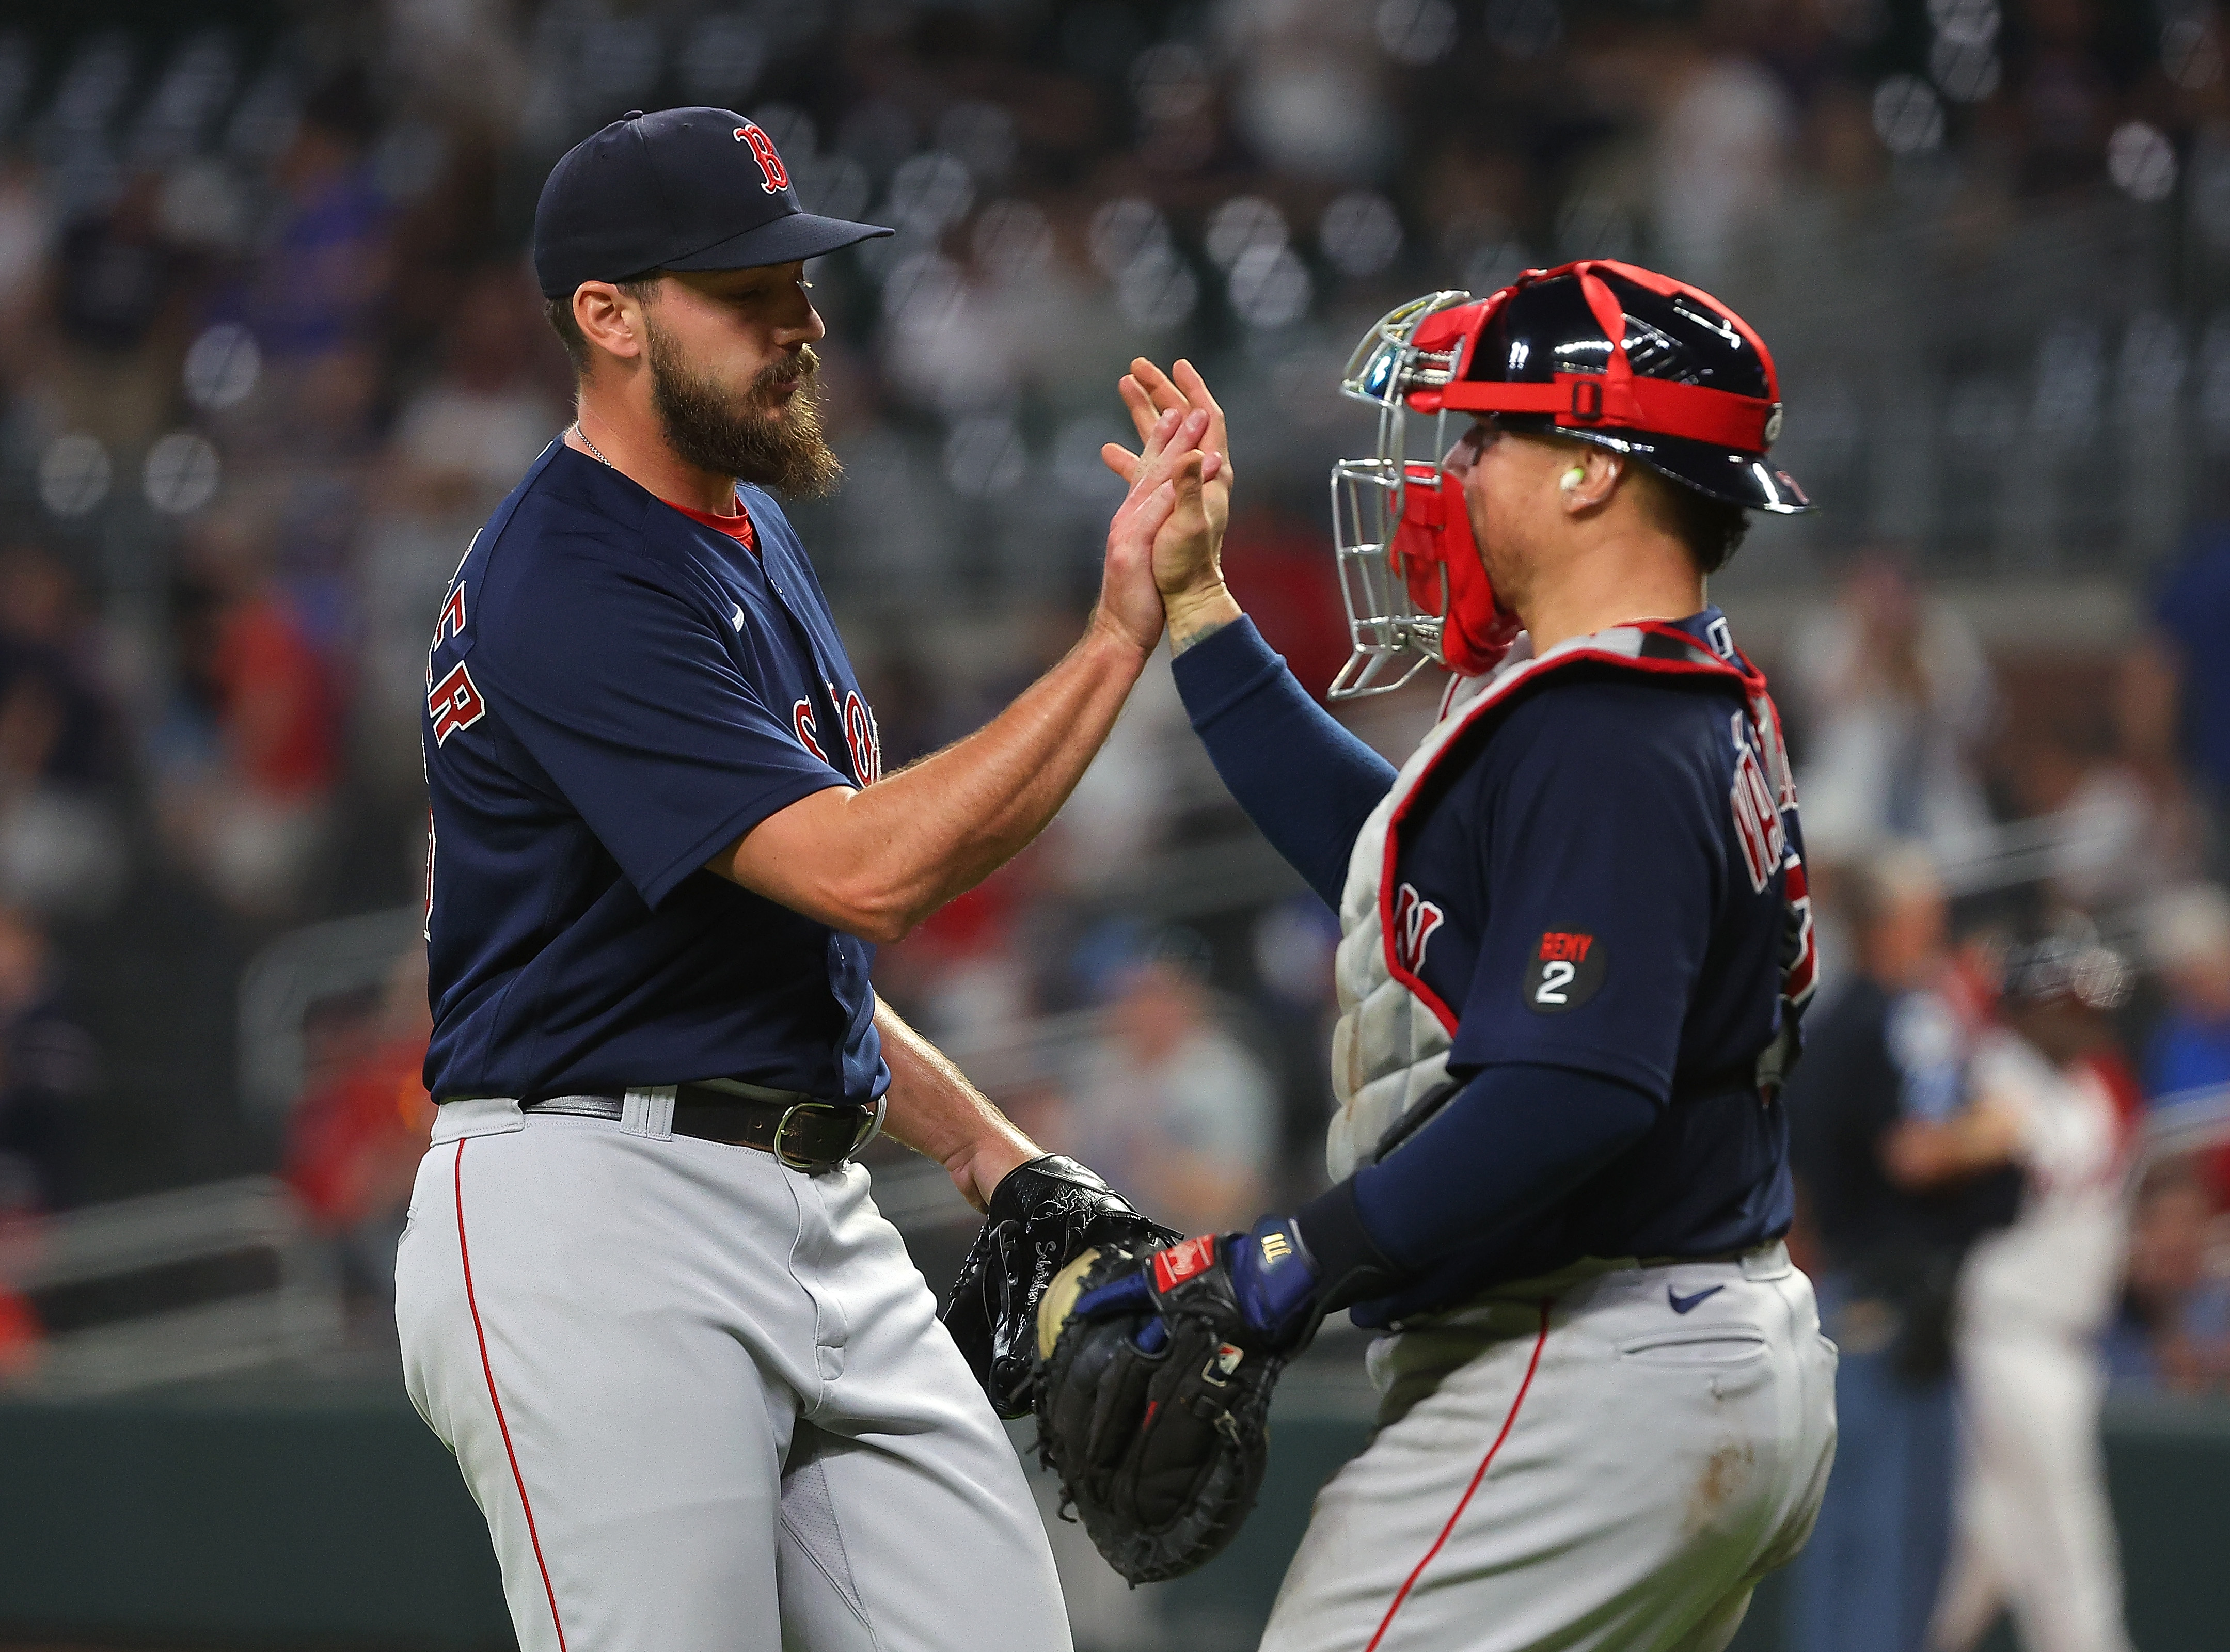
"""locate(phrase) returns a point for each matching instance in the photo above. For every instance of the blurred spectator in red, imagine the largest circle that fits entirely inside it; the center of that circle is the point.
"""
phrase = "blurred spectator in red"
(960, 971)
(20, 1335)
(1896, 694)
(2035, 1533)
(2174, 1331)
(249, 752)
(1171, 1107)
(354, 1141)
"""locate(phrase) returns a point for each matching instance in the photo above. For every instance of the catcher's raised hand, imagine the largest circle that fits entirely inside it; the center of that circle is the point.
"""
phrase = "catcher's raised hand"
(1182, 566)
(1163, 520)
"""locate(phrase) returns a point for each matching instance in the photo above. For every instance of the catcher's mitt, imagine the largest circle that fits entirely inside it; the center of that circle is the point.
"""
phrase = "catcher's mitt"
(1156, 1422)
(1043, 1215)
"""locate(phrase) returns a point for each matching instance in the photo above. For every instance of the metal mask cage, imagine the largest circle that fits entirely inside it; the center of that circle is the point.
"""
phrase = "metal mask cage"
(1392, 637)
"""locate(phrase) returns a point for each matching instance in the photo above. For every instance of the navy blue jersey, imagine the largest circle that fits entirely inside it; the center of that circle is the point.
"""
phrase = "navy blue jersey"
(617, 690)
(1580, 888)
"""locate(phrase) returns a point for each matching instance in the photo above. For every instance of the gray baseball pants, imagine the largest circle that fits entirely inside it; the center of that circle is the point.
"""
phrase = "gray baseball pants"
(1604, 1461)
(704, 1400)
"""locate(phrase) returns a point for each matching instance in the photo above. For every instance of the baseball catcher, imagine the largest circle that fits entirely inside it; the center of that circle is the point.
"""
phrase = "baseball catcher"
(1575, 946)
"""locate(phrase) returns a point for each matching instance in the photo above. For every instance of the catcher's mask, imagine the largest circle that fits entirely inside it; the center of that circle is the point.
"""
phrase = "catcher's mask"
(1603, 352)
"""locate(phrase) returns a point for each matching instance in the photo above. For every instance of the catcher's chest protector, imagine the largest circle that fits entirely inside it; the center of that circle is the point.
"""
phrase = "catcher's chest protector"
(1391, 1047)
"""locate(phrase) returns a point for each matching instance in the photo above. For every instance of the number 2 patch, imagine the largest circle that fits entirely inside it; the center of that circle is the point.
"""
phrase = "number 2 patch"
(1565, 973)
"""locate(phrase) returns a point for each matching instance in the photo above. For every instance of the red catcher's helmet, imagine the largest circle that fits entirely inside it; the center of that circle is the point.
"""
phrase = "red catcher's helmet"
(1654, 369)
(1623, 357)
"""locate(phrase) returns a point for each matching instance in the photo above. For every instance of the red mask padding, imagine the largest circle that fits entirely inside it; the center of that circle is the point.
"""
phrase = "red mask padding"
(1434, 533)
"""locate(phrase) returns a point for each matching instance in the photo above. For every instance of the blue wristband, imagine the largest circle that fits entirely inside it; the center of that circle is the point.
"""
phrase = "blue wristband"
(1275, 1280)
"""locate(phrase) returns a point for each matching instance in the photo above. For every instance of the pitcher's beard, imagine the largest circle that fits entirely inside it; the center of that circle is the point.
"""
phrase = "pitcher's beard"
(739, 433)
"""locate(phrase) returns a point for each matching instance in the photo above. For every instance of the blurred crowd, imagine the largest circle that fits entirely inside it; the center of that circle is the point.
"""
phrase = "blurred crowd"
(269, 353)
(2012, 1132)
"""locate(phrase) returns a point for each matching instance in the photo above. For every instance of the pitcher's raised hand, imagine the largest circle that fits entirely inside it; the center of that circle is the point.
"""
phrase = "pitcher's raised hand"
(1162, 521)
(1148, 393)
(1187, 567)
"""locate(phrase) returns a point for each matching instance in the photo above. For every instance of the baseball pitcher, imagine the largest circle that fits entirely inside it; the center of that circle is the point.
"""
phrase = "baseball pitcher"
(688, 1372)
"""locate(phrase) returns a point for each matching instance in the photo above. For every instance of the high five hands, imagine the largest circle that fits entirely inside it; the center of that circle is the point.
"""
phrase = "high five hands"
(1188, 565)
(1165, 519)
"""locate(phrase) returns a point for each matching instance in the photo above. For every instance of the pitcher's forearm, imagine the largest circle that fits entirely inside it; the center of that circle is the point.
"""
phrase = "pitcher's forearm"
(942, 826)
(876, 861)
(933, 1109)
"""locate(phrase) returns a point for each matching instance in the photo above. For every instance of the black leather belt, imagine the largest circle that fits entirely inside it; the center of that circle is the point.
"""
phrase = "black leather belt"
(805, 1133)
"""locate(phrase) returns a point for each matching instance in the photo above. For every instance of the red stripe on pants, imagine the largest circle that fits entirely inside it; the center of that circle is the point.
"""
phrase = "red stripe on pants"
(465, 1254)
(1418, 1571)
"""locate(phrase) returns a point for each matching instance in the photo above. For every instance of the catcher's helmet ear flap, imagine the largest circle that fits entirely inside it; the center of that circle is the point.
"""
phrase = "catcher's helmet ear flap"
(1629, 359)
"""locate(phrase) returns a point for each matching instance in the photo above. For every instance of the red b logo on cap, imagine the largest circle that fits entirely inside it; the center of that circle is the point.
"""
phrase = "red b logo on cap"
(778, 177)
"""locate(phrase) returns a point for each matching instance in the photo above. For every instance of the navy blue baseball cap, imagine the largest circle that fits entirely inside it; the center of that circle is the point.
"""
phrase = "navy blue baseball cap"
(676, 190)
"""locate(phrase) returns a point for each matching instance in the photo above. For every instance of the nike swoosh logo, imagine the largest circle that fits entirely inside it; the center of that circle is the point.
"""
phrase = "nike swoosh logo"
(737, 622)
(1682, 1304)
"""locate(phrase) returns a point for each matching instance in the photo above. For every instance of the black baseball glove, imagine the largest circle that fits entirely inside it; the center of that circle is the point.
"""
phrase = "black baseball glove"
(1043, 1215)
(1153, 1391)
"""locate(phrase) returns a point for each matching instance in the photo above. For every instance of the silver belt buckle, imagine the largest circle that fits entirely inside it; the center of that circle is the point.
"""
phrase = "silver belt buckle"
(869, 1126)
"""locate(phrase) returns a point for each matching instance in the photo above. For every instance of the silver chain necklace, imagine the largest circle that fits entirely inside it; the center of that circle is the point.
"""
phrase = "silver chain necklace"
(592, 447)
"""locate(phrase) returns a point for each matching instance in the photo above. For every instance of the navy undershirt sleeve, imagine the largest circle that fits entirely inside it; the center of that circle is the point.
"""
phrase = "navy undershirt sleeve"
(1510, 1143)
(1306, 783)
